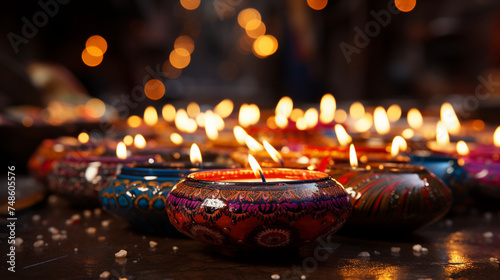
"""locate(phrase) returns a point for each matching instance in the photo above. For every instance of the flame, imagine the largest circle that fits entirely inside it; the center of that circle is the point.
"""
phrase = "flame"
(83, 137)
(342, 136)
(210, 126)
(352, 156)
(252, 144)
(415, 119)
(195, 155)
(150, 116)
(284, 107)
(176, 138)
(327, 108)
(311, 116)
(408, 133)
(224, 108)
(193, 109)
(121, 150)
(398, 144)
(394, 113)
(357, 110)
(249, 114)
(240, 134)
(168, 112)
(364, 124)
(496, 137)
(128, 140)
(449, 118)
(184, 123)
(381, 121)
(462, 148)
(442, 137)
(255, 166)
(275, 155)
(139, 141)
(281, 121)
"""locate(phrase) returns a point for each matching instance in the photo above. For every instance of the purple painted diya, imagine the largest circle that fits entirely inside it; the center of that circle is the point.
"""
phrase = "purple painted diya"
(390, 198)
(230, 208)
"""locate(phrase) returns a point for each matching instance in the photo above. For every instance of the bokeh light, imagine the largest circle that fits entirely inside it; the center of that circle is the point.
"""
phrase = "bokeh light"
(154, 89)
(184, 42)
(180, 58)
(95, 107)
(134, 121)
(247, 15)
(405, 5)
(97, 42)
(190, 4)
(265, 45)
(91, 60)
(317, 4)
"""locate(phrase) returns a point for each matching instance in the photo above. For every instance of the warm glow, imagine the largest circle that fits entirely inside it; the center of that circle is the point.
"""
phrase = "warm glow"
(296, 114)
(496, 137)
(168, 112)
(91, 60)
(353, 159)
(27, 121)
(154, 89)
(240, 134)
(449, 118)
(301, 123)
(195, 155)
(311, 117)
(121, 150)
(98, 42)
(364, 124)
(219, 122)
(83, 137)
(139, 141)
(442, 137)
(408, 133)
(381, 121)
(200, 119)
(317, 4)
(340, 116)
(180, 58)
(327, 108)
(275, 155)
(265, 45)
(134, 121)
(255, 166)
(284, 107)
(128, 140)
(415, 119)
(255, 28)
(184, 123)
(281, 121)
(190, 4)
(176, 138)
(398, 144)
(184, 42)
(356, 111)
(224, 108)
(95, 107)
(462, 148)
(193, 109)
(249, 115)
(150, 116)
(342, 136)
(252, 144)
(94, 51)
(405, 5)
(210, 126)
(394, 113)
(247, 15)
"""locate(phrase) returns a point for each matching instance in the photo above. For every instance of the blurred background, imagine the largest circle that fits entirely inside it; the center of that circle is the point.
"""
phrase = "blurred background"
(248, 51)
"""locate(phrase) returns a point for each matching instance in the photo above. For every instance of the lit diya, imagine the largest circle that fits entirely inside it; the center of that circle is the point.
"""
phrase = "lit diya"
(390, 198)
(271, 208)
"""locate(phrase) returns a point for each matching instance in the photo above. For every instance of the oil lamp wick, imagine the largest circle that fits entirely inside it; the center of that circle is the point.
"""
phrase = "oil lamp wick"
(262, 176)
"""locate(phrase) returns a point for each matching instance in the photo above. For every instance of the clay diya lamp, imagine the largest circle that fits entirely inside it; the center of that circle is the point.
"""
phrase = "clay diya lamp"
(234, 209)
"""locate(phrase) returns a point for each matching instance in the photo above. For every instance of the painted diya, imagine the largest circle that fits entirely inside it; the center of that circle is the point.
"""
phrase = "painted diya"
(232, 209)
(390, 198)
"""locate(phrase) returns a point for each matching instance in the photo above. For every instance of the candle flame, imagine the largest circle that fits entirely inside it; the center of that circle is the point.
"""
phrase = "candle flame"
(462, 148)
(449, 118)
(195, 155)
(240, 134)
(398, 144)
(301, 123)
(327, 108)
(249, 114)
(311, 117)
(342, 136)
(281, 121)
(415, 119)
(83, 137)
(168, 112)
(210, 126)
(184, 123)
(121, 150)
(275, 155)
(382, 125)
(150, 116)
(364, 124)
(255, 167)
(356, 111)
(496, 137)
(252, 144)
(224, 108)
(394, 113)
(442, 137)
(352, 156)
(284, 107)
(139, 141)
(176, 138)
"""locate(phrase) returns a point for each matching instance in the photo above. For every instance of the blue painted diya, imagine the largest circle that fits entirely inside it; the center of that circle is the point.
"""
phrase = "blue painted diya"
(392, 198)
(139, 193)
(232, 209)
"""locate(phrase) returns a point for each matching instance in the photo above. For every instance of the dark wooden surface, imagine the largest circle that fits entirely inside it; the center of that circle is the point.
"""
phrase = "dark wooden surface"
(457, 249)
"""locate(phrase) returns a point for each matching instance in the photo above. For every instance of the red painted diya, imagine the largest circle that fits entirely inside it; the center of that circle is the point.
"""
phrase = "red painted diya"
(232, 209)
(392, 198)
